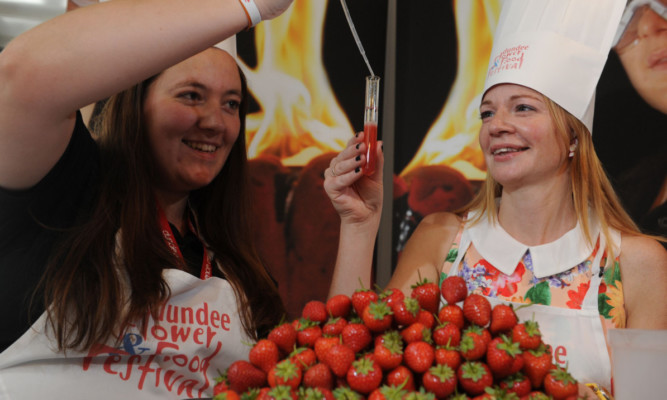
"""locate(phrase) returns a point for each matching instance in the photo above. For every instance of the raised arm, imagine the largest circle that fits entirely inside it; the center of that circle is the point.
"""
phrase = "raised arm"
(88, 54)
(358, 200)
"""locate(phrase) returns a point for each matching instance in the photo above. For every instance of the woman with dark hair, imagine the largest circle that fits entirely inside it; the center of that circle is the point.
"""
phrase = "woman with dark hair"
(127, 263)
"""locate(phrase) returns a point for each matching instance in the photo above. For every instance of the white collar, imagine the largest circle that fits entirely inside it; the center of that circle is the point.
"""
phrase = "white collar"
(504, 252)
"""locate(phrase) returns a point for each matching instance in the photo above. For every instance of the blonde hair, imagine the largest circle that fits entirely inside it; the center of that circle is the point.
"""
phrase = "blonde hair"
(591, 189)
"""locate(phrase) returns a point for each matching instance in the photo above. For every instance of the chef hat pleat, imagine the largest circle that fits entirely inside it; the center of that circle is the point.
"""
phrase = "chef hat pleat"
(556, 47)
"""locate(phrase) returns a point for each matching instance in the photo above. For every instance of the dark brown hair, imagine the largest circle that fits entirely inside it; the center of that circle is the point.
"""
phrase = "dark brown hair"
(93, 292)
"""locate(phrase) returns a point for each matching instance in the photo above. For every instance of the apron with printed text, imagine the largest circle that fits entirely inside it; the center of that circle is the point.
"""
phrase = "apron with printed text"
(576, 335)
(197, 336)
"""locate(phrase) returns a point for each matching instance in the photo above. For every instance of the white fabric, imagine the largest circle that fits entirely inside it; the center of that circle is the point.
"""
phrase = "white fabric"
(556, 47)
(576, 336)
(504, 252)
(198, 336)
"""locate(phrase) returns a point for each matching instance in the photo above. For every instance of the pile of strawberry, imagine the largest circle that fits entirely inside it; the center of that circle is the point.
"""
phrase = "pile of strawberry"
(383, 345)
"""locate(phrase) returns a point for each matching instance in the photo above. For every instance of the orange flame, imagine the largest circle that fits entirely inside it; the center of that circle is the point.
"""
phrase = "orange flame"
(452, 139)
(300, 117)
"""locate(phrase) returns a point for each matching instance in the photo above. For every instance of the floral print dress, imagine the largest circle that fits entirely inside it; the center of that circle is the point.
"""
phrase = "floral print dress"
(507, 270)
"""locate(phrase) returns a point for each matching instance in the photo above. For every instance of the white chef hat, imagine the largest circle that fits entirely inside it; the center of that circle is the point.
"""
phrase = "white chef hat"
(228, 45)
(556, 47)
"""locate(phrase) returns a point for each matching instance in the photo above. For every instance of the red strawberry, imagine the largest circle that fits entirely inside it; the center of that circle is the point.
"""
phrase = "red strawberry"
(560, 384)
(477, 309)
(452, 313)
(334, 326)
(361, 298)
(387, 392)
(501, 355)
(319, 375)
(419, 356)
(227, 395)
(283, 335)
(426, 318)
(264, 355)
(242, 375)
(474, 377)
(357, 336)
(405, 311)
(323, 344)
(447, 333)
(536, 395)
(536, 365)
(221, 385)
(527, 334)
(315, 393)
(303, 357)
(503, 319)
(517, 383)
(364, 376)
(315, 311)
(416, 332)
(307, 333)
(377, 316)
(454, 289)
(280, 392)
(392, 296)
(473, 343)
(401, 376)
(448, 355)
(389, 350)
(339, 358)
(285, 373)
(339, 305)
(427, 294)
(440, 380)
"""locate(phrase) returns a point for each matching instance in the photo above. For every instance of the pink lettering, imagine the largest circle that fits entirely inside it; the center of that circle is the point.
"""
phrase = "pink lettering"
(196, 335)
(560, 355)
(215, 317)
(159, 332)
(202, 315)
(209, 335)
(113, 359)
(188, 385)
(179, 333)
(167, 375)
(128, 371)
(224, 320)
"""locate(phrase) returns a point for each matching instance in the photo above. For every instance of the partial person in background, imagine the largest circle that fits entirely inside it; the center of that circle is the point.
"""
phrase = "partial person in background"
(126, 266)
(547, 227)
(641, 46)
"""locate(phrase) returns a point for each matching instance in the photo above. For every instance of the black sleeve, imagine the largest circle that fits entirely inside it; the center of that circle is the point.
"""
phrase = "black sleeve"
(32, 220)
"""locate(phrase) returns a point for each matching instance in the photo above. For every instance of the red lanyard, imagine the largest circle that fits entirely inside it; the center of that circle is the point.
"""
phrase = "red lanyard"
(170, 239)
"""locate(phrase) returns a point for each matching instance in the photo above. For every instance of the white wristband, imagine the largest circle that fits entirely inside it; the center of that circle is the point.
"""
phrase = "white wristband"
(252, 12)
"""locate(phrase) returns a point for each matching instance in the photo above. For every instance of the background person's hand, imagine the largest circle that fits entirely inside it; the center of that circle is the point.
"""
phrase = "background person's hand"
(356, 197)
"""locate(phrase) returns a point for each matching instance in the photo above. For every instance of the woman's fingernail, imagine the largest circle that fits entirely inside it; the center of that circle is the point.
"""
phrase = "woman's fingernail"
(356, 170)
(357, 158)
(357, 146)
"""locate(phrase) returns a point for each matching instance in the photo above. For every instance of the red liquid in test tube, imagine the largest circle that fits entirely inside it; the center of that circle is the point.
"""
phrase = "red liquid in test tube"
(371, 123)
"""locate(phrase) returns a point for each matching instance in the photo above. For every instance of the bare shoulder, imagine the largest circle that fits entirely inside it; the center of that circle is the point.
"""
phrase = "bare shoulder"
(426, 249)
(640, 253)
(643, 264)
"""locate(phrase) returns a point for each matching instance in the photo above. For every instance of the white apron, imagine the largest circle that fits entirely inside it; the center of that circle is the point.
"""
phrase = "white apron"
(576, 336)
(199, 335)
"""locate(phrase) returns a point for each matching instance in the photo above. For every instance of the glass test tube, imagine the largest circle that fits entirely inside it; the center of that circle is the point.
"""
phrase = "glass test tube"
(371, 122)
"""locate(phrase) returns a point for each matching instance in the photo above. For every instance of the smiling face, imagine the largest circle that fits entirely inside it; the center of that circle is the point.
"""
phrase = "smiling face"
(518, 138)
(644, 56)
(192, 117)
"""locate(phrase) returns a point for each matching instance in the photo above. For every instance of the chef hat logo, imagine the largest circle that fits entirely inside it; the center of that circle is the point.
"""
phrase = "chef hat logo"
(556, 47)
